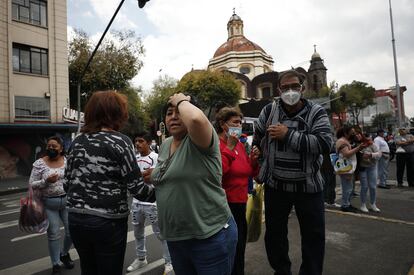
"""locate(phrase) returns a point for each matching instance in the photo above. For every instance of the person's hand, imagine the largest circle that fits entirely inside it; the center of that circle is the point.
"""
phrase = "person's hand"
(52, 178)
(232, 141)
(175, 98)
(278, 131)
(146, 175)
(366, 155)
(255, 153)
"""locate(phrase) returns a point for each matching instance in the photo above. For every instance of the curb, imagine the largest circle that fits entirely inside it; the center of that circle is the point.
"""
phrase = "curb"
(12, 190)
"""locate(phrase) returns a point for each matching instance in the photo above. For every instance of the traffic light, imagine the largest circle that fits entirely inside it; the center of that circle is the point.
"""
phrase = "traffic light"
(343, 96)
(141, 3)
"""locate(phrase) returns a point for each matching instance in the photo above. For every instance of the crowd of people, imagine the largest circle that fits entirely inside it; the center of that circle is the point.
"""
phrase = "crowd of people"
(193, 189)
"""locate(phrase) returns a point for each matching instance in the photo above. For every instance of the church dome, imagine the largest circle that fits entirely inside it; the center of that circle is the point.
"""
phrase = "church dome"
(237, 44)
(315, 55)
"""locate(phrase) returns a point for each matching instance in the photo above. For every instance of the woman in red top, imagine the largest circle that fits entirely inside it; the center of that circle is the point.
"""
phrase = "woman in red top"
(237, 168)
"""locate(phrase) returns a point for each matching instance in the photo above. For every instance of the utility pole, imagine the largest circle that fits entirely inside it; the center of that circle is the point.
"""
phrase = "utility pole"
(397, 85)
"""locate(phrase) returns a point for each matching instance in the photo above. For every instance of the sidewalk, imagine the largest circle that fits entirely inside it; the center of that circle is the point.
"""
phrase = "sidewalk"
(15, 185)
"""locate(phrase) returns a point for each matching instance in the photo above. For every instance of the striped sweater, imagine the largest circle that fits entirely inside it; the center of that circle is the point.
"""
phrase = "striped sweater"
(298, 157)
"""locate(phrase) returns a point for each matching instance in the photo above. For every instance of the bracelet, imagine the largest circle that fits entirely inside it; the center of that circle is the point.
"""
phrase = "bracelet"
(179, 102)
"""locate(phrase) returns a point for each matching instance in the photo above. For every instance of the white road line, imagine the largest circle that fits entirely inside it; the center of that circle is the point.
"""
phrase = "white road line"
(9, 224)
(44, 263)
(11, 211)
(29, 236)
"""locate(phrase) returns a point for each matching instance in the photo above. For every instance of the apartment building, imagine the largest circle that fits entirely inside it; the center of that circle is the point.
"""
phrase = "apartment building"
(34, 91)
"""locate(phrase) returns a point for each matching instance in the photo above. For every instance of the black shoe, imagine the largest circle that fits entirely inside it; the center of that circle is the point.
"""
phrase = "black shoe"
(56, 269)
(355, 194)
(348, 209)
(384, 187)
(67, 261)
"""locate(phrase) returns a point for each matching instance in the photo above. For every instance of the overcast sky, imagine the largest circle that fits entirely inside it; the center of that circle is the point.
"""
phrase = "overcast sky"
(353, 37)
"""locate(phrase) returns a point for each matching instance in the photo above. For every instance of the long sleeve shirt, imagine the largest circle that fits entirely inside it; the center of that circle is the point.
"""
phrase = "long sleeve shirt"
(237, 168)
(40, 172)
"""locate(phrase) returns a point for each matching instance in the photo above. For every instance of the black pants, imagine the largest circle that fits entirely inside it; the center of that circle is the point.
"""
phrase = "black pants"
(405, 160)
(310, 211)
(99, 242)
(329, 178)
(239, 213)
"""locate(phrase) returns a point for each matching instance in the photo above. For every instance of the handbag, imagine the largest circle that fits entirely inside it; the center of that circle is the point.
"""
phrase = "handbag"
(342, 165)
(254, 213)
(33, 218)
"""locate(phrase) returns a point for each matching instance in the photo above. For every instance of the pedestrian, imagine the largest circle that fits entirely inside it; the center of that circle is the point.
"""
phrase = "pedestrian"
(382, 169)
(405, 156)
(238, 167)
(101, 169)
(293, 133)
(146, 211)
(329, 179)
(368, 173)
(47, 176)
(345, 135)
(248, 148)
(193, 213)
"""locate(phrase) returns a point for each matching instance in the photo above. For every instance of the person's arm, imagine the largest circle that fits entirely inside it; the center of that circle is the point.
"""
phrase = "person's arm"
(36, 180)
(319, 140)
(227, 157)
(198, 126)
(260, 126)
(347, 153)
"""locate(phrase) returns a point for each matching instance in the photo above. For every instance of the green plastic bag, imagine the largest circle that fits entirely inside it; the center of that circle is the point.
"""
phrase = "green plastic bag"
(254, 214)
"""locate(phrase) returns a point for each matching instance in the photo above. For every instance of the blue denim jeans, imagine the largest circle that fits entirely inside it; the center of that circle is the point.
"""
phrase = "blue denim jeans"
(382, 171)
(368, 178)
(211, 256)
(141, 212)
(346, 184)
(56, 211)
(100, 243)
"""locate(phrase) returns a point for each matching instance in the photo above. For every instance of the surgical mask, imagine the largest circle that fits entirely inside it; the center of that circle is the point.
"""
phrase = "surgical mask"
(51, 153)
(236, 130)
(291, 97)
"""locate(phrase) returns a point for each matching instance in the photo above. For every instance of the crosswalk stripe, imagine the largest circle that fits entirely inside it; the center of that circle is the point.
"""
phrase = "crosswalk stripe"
(44, 263)
(11, 211)
(9, 224)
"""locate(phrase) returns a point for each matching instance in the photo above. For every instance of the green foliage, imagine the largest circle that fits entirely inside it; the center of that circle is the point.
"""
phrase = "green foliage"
(162, 89)
(115, 63)
(382, 120)
(138, 119)
(211, 88)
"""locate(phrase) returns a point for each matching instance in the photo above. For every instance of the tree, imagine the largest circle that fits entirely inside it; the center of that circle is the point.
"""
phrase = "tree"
(116, 62)
(381, 121)
(138, 118)
(212, 89)
(356, 96)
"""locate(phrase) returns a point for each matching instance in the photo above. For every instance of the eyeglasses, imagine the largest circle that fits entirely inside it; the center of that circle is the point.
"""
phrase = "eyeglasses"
(294, 86)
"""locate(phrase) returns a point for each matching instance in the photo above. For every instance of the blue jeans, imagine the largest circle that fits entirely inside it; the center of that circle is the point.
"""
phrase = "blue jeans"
(211, 256)
(346, 184)
(368, 178)
(100, 243)
(383, 170)
(141, 212)
(56, 211)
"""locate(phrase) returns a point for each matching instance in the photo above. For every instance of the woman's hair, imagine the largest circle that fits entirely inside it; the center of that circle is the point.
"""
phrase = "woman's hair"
(105, 109)
(343, 131)
(223, 115)
(59, 141)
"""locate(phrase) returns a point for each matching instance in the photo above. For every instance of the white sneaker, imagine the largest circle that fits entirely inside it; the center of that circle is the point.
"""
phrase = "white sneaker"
(136, 264)
(168, 268)
(364, 208)
(375, 208)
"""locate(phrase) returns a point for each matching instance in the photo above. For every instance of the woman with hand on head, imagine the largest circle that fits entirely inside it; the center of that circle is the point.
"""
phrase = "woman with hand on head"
(193, 213)
(237, 168)
(47, 176)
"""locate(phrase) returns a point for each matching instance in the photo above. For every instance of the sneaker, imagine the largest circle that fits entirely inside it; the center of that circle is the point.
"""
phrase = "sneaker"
(364, 208)
(136, 264)
(375, 208)
(168, 268)
(67, 261)
(384, 187)
(347, 209)
(56, 269)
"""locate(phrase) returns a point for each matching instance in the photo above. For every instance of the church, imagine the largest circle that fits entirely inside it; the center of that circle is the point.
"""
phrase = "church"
(253, 68)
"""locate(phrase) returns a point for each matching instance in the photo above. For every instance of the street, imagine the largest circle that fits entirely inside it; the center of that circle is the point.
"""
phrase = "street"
(356, 243)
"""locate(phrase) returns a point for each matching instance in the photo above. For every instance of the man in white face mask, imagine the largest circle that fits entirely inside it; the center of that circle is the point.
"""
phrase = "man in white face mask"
(293, 133)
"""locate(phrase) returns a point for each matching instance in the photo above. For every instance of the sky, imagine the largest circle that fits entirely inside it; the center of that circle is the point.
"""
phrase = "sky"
(353, 37)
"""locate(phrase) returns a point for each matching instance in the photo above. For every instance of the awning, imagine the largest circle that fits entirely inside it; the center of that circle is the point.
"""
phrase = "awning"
(39, 126)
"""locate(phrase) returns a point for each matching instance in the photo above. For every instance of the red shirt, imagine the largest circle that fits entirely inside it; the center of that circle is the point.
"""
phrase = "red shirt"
(237, 168)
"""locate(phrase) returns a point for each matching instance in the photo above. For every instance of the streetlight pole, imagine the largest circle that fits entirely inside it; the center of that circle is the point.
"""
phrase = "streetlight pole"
(141, 4)
(397, 85)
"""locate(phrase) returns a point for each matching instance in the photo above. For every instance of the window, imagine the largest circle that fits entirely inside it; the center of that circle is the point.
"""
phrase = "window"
(244, 70)
(29, 59)
(30, 11)
(27, 107)
(266, 92)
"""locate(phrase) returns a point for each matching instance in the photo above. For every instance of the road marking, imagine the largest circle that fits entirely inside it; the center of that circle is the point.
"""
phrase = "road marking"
(9, 224)
(11, 211)
(44, 263)
(370, 217)
(30, 236)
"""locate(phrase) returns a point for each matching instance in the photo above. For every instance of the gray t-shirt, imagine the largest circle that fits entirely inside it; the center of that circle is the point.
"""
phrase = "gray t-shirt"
(408, 148)
(191, 202)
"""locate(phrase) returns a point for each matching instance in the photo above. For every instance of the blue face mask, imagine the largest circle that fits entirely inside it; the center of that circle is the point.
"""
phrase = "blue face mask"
(236, 130)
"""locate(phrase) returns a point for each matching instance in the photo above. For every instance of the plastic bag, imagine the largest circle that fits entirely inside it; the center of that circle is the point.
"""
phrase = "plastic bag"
(342, 165)
(33, 218)
(254, 213)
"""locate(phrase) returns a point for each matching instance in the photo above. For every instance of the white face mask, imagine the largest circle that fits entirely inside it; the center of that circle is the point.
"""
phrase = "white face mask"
(291, 97)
